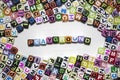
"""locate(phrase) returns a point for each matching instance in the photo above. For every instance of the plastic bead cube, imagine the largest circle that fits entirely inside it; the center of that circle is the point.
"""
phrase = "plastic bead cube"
(72, 59)
(68, 39)
(35, 66)
(87, 40)
(38, 20)
(86, 76)
(30, 42)
(101, 50)
(19, 28)
(49, 12)
(90, 65)
(13, 50)
(47, 72)
(55, 39)
(43, 41)
(2, 27)
(28, 64)
(36, 42)
(113, 53)
(22, 75)
(95, 69)
(45, 18)
(25, 24)
(31, 20)
(6, 69)
(77, 64)
(94, 75)
(84, 19)
(2, 33)
(26, 70)
(8, 78)
(2, 65)
(7, 32)
(21, 64)
(40, 72)
(58, 17)
(31, 2)
(85, 13)
(19, 20)
(4, 58)
(3, 40)
(49, 40)
(68, 5)
(17, 77)
(71, 17)
(72, 10)
(18, 56)
(64, 64)
(14, 23)
(114, 69)
(14, 8)
(52, 19)
(14, 33)
(36, 14)
(56, 10)
(111, 60)
(81, 39)
(31, 58)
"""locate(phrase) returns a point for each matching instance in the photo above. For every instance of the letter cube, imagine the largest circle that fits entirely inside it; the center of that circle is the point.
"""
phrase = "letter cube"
(49, 40)
(68, 39)
(31, 20)
(19, 28)
(14, 23)
(36, 42)
(87, 40)
(55, 39)
(58, 17)
(30, 42)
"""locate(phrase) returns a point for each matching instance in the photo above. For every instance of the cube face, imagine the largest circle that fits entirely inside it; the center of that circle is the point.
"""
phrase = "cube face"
(104, 5)
(8, 33)
(58, 17)
(36, 42)
(78, 16)
(49, 40)
(85, 12)
(114, 69)
(55, 39)
(84, 63)
(52, 19)
(101, 51)
(14, 23)
(86, 76)
(111, 60)
(64, 17)
(43, 41)
(72, 59)
(25, 25)
(81, 39)
(30, 42)
(31, 58)
(84, 19)
(68, 39)
(96, 23)
(72, 10)
(94, 75)
(31, 20)
(33, 8)
(19, 28)
(36, 14)
(87, 40)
